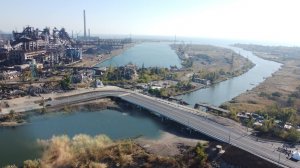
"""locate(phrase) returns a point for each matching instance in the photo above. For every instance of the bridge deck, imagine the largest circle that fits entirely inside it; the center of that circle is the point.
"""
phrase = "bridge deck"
(195, 119)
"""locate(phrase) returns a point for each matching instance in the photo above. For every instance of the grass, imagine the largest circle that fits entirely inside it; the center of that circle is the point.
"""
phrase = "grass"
(95, 152)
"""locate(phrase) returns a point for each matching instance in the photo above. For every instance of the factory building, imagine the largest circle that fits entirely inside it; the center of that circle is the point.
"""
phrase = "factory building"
(45, 46)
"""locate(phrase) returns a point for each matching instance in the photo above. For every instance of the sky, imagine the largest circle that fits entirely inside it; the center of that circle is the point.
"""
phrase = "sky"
(269, 20)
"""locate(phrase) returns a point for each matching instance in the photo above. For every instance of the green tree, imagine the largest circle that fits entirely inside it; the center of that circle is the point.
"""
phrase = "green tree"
(155, 92)
(164, 92)
(233, 114)
(143, 69)
(250, 122)
(288, 115)
(290, 102)
(222, 72)
(293, 135)
(66, 82)
(201, 155)
(276, 94)
(12, 115)
(26, 75)
(268, 125)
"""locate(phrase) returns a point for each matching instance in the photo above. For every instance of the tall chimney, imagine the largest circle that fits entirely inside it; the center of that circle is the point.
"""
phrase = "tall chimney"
(84, 24)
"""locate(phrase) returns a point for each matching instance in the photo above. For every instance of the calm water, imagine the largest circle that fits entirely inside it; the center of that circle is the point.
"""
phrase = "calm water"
(231, 88)
(18, 144)
(160, 54)
(149, 54)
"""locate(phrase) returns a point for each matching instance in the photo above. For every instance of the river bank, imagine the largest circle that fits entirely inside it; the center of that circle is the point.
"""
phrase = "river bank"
(89, 108)
(207, 65)
(91, 60)
(212, 62)
(277, 89)
(174, 143)
(91, 121)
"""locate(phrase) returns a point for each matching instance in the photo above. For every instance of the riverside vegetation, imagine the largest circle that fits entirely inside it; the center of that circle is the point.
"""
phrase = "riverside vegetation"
(12, 119)
(277, 98)
(209, 63)
(101, 152)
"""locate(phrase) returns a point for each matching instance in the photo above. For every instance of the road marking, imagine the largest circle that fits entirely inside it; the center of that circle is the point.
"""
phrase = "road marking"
(125, 94)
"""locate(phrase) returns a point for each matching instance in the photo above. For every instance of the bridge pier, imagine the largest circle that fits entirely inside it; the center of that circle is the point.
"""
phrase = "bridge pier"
(138, 107)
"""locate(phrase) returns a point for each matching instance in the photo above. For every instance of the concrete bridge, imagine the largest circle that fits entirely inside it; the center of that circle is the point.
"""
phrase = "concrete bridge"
(189, 117)
(210, 107)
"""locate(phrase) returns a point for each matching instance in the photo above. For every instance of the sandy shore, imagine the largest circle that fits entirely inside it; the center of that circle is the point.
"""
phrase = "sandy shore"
(168, 144)
(11, 124)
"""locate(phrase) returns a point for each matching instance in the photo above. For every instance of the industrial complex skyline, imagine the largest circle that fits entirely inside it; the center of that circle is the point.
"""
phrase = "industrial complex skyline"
(229, 19)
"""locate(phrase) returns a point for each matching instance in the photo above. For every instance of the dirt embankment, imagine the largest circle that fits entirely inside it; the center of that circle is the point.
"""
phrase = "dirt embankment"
(276, 89)
(100, 104)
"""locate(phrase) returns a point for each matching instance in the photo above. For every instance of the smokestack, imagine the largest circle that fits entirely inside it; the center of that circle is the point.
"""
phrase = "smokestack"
(84, 24)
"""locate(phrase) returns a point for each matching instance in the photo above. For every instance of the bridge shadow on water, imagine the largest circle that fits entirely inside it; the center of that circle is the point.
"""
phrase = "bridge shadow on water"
(165, 124)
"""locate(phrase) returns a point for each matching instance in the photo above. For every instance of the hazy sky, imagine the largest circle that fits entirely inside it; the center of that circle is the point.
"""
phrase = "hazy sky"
(272, 20)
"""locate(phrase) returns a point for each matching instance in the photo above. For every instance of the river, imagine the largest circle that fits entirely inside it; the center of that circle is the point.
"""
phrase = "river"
(160, 54)
(18, 144)
(147, 54)
(226, 90)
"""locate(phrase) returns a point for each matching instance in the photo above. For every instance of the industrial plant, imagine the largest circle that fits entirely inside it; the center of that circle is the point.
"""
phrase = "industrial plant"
(38, 60)
(47, 47)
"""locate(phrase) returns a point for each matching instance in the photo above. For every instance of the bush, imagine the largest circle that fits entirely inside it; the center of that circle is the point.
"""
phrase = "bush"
(276, 94)
(233, 115)
(11, 166)
(252, 101)
(293, 135)
(264, 94)
(267, 126)
(155, 92)
(290, 102)
(66, 83)
(32, 164)
(201, 155)
(281, 133)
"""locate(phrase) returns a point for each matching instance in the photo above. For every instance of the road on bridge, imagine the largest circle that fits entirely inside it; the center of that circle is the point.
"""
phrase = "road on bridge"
(191, 118)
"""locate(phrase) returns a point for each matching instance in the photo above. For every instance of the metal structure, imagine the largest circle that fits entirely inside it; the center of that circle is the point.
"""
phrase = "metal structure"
(46, 46)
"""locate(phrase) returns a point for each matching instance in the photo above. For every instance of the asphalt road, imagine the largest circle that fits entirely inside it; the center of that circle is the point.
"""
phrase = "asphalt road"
(191, 118)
